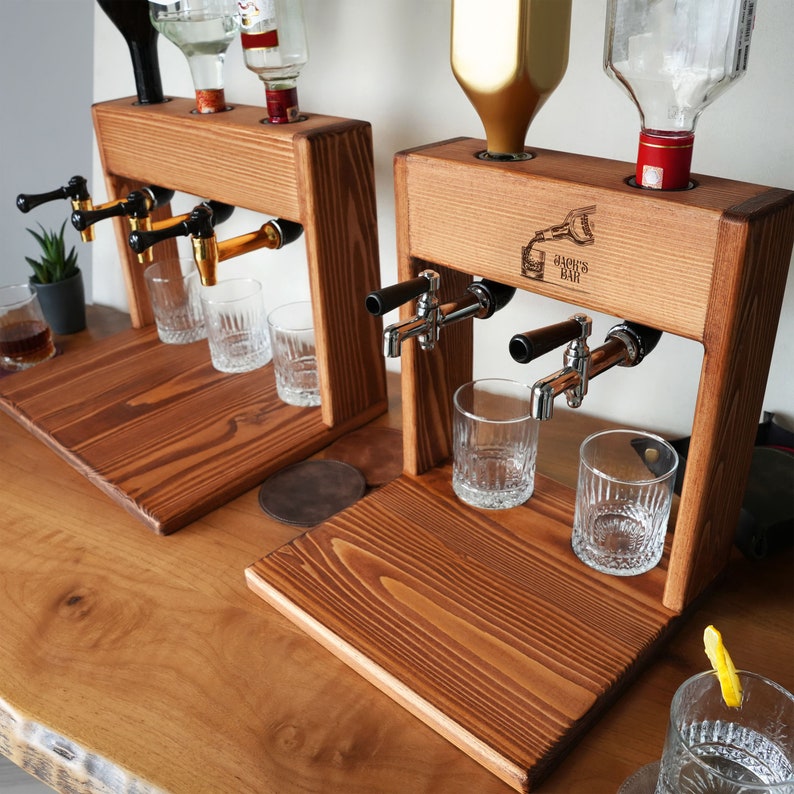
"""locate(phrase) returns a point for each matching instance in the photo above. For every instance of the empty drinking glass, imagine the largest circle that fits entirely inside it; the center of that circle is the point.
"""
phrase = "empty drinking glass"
(495, 443)
(294, 353)
(175, 293)
(623, 501)
(236, 320)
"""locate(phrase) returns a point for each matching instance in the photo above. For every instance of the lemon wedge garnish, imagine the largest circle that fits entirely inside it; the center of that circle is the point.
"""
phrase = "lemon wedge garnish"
(721, 662)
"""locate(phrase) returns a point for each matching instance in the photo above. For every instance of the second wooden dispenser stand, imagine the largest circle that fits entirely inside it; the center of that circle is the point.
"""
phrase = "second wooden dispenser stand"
(483, 623)
(155, 426)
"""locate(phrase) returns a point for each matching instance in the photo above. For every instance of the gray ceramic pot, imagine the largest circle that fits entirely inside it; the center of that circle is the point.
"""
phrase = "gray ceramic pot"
(63, 304)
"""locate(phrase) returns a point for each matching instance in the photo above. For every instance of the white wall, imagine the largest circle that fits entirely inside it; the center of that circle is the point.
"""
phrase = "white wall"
(387, 61)
(46, 59)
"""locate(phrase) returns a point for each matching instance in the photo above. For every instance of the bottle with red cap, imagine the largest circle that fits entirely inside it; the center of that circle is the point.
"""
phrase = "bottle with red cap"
(273, 35)
(673, 58)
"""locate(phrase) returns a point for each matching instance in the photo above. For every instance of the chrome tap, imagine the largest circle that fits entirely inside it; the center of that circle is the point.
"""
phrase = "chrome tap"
(480, 300)
(626, 345)
(199, 225)
(572, 379)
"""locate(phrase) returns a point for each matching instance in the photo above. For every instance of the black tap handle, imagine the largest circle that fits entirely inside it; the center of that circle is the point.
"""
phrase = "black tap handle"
(137, 205)
(198, 224)
(531, 345)
(82, 219)
(644, 338)
(498, 295)
(289, 230)
(77, 190)
(140, 240)
(382, 301)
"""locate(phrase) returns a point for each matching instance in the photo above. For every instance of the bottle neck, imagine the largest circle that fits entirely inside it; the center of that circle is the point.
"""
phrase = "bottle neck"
(664, 160)
(282, 102)
(210, 100)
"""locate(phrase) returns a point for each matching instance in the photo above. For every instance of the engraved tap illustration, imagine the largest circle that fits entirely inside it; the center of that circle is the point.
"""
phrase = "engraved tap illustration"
(199, 225)
(626, 345)
(577, 227)
(480, 300)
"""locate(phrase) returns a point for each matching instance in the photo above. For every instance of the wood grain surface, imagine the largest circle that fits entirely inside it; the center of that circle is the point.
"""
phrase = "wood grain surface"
(136, 663)
(482, 623)
(159, 430)
(318, 172)
(709, 264)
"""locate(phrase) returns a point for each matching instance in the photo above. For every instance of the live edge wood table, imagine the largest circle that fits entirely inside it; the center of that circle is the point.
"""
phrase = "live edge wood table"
(131, 662)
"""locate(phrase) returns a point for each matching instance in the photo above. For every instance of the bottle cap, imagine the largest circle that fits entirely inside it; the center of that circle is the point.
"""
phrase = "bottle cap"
(210, 100)
(282, 105)
(663, 161)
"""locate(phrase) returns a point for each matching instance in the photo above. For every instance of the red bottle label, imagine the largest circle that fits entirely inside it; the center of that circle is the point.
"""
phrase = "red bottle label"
(259, 41)
(210, 100)
(664, 161)
(282, 105)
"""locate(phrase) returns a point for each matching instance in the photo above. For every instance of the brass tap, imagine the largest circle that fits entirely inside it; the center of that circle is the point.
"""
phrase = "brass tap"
(136, 207)
(76, 190)
(199, 225)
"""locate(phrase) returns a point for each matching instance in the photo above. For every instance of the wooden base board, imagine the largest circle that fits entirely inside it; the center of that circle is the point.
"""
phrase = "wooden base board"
(159, 430)
(482, 623)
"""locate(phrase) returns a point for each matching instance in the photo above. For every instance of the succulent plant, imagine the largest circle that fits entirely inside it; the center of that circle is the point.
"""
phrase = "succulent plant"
(54, 264)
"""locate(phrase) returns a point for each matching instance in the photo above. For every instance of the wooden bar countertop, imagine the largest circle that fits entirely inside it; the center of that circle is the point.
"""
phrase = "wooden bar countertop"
(131, 662)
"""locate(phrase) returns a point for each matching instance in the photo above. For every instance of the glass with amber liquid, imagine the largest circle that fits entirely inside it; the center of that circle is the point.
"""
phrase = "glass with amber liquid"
(25, 337)
(509, 56)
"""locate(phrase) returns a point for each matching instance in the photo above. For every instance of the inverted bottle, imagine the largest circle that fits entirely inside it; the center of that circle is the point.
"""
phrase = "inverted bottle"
(674, 58)
(203, 31)
(131, 17)
(508, 57)
(273, 36)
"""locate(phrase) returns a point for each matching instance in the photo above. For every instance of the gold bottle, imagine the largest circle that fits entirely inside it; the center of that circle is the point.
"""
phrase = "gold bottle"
(508, 56)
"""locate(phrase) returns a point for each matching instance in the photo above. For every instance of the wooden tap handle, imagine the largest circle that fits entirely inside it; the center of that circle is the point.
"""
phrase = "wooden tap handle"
(384, 300)
(532, 344)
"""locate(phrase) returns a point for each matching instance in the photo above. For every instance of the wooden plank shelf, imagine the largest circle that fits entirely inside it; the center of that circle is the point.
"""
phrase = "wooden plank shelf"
(481, 623)
(159, 430)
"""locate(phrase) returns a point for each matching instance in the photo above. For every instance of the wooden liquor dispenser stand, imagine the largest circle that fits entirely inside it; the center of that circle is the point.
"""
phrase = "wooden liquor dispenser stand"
(154, 425)
(484, 624)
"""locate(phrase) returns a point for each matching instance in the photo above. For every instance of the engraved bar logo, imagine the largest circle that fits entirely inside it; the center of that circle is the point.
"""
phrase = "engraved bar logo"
(577, 228)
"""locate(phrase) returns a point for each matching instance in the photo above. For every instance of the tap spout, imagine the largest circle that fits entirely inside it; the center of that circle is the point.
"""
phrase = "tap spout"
(396, 334)
(572, 379)
(546, 389)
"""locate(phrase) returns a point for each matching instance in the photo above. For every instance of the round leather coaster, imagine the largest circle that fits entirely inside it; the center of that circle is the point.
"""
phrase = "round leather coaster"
(375, 451)
(307, 493)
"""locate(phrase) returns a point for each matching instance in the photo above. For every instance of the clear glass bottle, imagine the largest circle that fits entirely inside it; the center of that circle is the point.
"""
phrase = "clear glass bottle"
(508, 57)
(273, 35)
(203, 31)
(674, 58)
